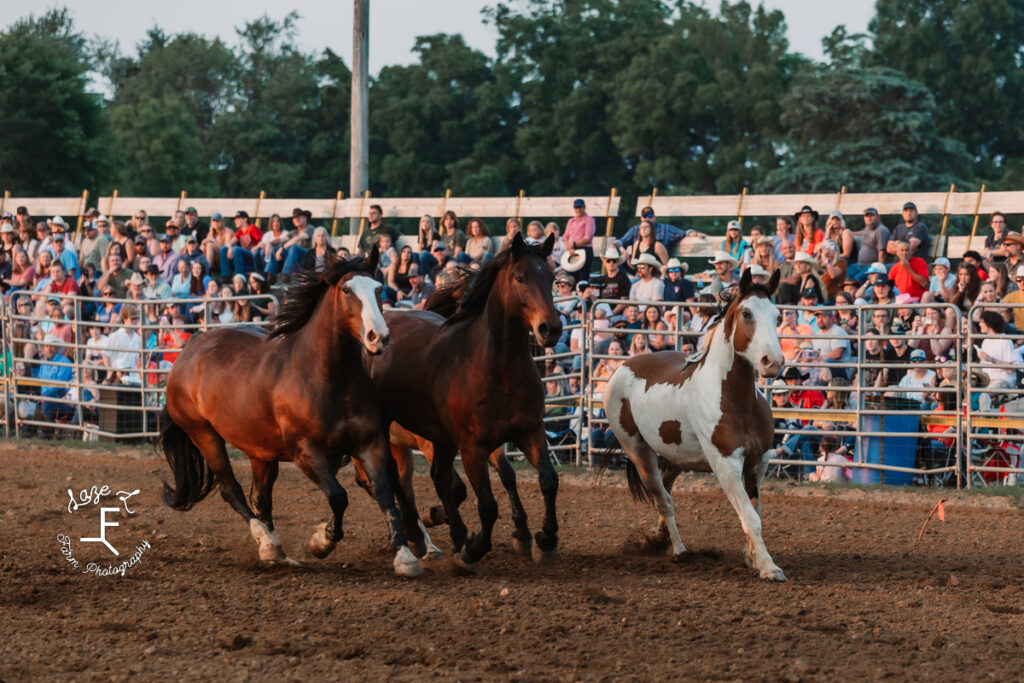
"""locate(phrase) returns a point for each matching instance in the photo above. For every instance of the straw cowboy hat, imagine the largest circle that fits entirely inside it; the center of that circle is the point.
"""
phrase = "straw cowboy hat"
(57, 220)
(648, 260)
(756, 269)
(574, 262)
(612, 253)
(1014, 237)
(803, 257)
(136, 279)
(676, 263)
(722, 257)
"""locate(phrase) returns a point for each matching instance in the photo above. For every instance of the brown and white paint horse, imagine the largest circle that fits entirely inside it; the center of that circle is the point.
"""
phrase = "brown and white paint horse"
(703, 413)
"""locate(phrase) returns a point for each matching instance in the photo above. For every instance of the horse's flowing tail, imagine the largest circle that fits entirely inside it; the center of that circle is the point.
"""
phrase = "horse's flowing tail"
(636, 485)
(193, 478)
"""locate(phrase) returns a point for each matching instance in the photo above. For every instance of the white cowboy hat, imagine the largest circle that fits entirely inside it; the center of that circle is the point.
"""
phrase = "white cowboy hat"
(50, 340)
(756, 269)
(722, 257)
(57, 220)
(648, 260)
(804, 257)
(613, 254)
(676, 263)
(6, 227)
(574, 262)
(136, 279)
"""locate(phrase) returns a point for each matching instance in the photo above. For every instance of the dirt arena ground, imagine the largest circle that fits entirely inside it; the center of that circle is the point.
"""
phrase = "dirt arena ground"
(865, 600)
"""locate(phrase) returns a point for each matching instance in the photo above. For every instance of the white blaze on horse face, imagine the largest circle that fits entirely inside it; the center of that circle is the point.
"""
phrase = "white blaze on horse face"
(764, 350)
(375, 330)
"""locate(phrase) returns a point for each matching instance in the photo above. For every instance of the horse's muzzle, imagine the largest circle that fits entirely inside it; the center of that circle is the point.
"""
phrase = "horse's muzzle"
(770, 367)
(375, 343)
(548, 334)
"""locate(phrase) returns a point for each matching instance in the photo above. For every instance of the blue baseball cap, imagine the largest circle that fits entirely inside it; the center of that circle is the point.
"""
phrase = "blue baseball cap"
(578, 204)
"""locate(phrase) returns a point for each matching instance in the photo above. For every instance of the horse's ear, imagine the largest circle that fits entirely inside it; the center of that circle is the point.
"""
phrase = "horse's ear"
(773, 283)
(518, 246)
(548, 246)
(746, 280)
(372, 258)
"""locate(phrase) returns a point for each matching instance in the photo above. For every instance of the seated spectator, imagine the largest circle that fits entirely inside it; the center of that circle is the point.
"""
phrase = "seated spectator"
(942, 282)
(837, 232)
(783, 234)
(832, 267)
(974, 258)
(292, 253)
(441, 257)
(808, 235)
(387, 258)
(615, 284)
(124, 349)
(398, 274)
(917, 379)
(65, 256)
(22, 272)
(426, 235)
(1000, 279)
(55, 373)
(936, 330)
(756, 235)
(419, 289)
(136, 288)
(155, 287)
(108, 310)
(897, 352)
(667, 235)
(910, 273)
(994, 243)
(791, 332)
(967, 288)
(181, 285)
(262, 308)
(512, 226)
(652, 320)
(1013, 246)
(996, 350)
(834, 462)
(725, 277)
(648, 286)
(375, 229)
(677, 287)
(321, 254)
(831, 341)
(272, 241)
(556, 252)
(453, 238)
(1017, 297)
(638, 344)
(758, 275)
(763, 254)
(237, 256)
(479, 246)
(734, 244)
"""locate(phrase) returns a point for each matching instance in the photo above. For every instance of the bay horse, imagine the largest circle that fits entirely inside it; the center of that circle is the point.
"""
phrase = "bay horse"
(297, 393)
(703, 413)
(468, 384)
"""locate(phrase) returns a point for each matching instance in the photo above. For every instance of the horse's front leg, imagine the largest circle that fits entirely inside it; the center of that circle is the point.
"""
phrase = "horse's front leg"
(475, 461)
(535, 446)
(521, 536)
(314, 462)
(381, 473)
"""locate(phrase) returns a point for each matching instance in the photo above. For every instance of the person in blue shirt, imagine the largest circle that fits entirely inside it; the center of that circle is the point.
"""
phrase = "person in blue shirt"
(65, 256)
(56, 372)
(668, 235)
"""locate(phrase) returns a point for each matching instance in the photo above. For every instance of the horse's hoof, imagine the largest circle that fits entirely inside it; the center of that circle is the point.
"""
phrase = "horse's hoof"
(436, 516)
(433, 553)
(319, 545)
(541, 556)
(418, 549)
(773, 574)
(681, 557)
(464, 563)
(406, 563)
(287, 562)
(523, 547)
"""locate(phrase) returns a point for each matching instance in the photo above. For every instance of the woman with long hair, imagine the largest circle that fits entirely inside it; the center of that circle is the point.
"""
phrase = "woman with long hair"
(933, 324)
(197, 279)
(967, 287)
(833, 268)
(734, 244)
(42, 267)
(808, 235)
(23, 273)
(1000, 277)
(763, 254)
(653, 321)
(321, 254)
(29, 239)
(398, 275)
(426, 234)
(646, 243)
(479, 246)
(181, 283)
(119, 235)
(836, 230)
(260, 309)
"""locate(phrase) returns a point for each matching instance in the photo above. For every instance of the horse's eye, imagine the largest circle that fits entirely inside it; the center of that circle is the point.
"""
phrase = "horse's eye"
(520, 278)
(746, 315)
(346, 289)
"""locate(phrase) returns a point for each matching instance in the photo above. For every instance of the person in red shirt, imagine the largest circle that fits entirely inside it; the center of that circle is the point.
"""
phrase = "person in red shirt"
(60, 283)
(910, 273)
(238, 258)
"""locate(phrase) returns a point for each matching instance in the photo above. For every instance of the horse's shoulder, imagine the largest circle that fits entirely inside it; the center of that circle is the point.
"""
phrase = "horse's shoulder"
(664, 367)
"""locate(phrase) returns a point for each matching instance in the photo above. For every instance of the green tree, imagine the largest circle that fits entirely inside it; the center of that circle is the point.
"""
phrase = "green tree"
(872, 130)
(55, 137)
(442, 122)
(969, 54)
(328, 167)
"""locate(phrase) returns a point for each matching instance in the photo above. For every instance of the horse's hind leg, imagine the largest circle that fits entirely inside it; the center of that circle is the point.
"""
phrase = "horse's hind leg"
(404, 468)
(659, 535)
(314, 463)
(442, 473)
(646, 462)
(753, 475)
(729, 470)
(212, 446)
(521, 536)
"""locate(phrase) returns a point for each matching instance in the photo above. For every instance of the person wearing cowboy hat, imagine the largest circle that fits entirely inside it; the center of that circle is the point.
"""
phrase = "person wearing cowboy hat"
(677, 287)
(616, 284)
(648, 285)
(910, 230)
(808, 234)
(805, 269)
(1013, 244)
(1016, 297)
(758, 275)
(725, 276)
(579, 235)
(136, 285)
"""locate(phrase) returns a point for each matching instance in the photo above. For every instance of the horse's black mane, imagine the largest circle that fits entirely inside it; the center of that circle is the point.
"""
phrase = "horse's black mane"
(445, 300)
(471, 297)
(301, 300)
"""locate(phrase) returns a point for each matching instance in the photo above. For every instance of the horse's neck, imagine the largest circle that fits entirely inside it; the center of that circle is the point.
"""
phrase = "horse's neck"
(499, 333)
(722, 361)
(322, 344)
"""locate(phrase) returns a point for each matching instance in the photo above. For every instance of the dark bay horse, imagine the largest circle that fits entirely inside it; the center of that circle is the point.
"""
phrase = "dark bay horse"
(468, 384)
(703, 413)
(299, 393)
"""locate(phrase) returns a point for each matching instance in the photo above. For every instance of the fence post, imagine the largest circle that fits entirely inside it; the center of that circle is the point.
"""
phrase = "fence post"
(945, 220)
(110, 205)
(440, 210)
(334, 213)
(81, 210)
(181, 198)
(256, 211)
(739, 206)
(609, 225)
(651, 196)
(362, 218)
(521, 194)
(977, 205)
(3, 200)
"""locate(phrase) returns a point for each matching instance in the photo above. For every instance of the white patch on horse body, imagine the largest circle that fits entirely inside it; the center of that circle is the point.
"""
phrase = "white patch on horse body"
(366, 288)
(406, 563)
(269, 545)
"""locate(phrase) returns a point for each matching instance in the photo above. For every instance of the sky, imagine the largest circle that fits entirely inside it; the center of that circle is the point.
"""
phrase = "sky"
(394, 24)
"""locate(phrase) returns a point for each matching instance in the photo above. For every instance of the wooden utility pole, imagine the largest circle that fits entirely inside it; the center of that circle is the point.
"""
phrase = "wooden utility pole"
(359, 164)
